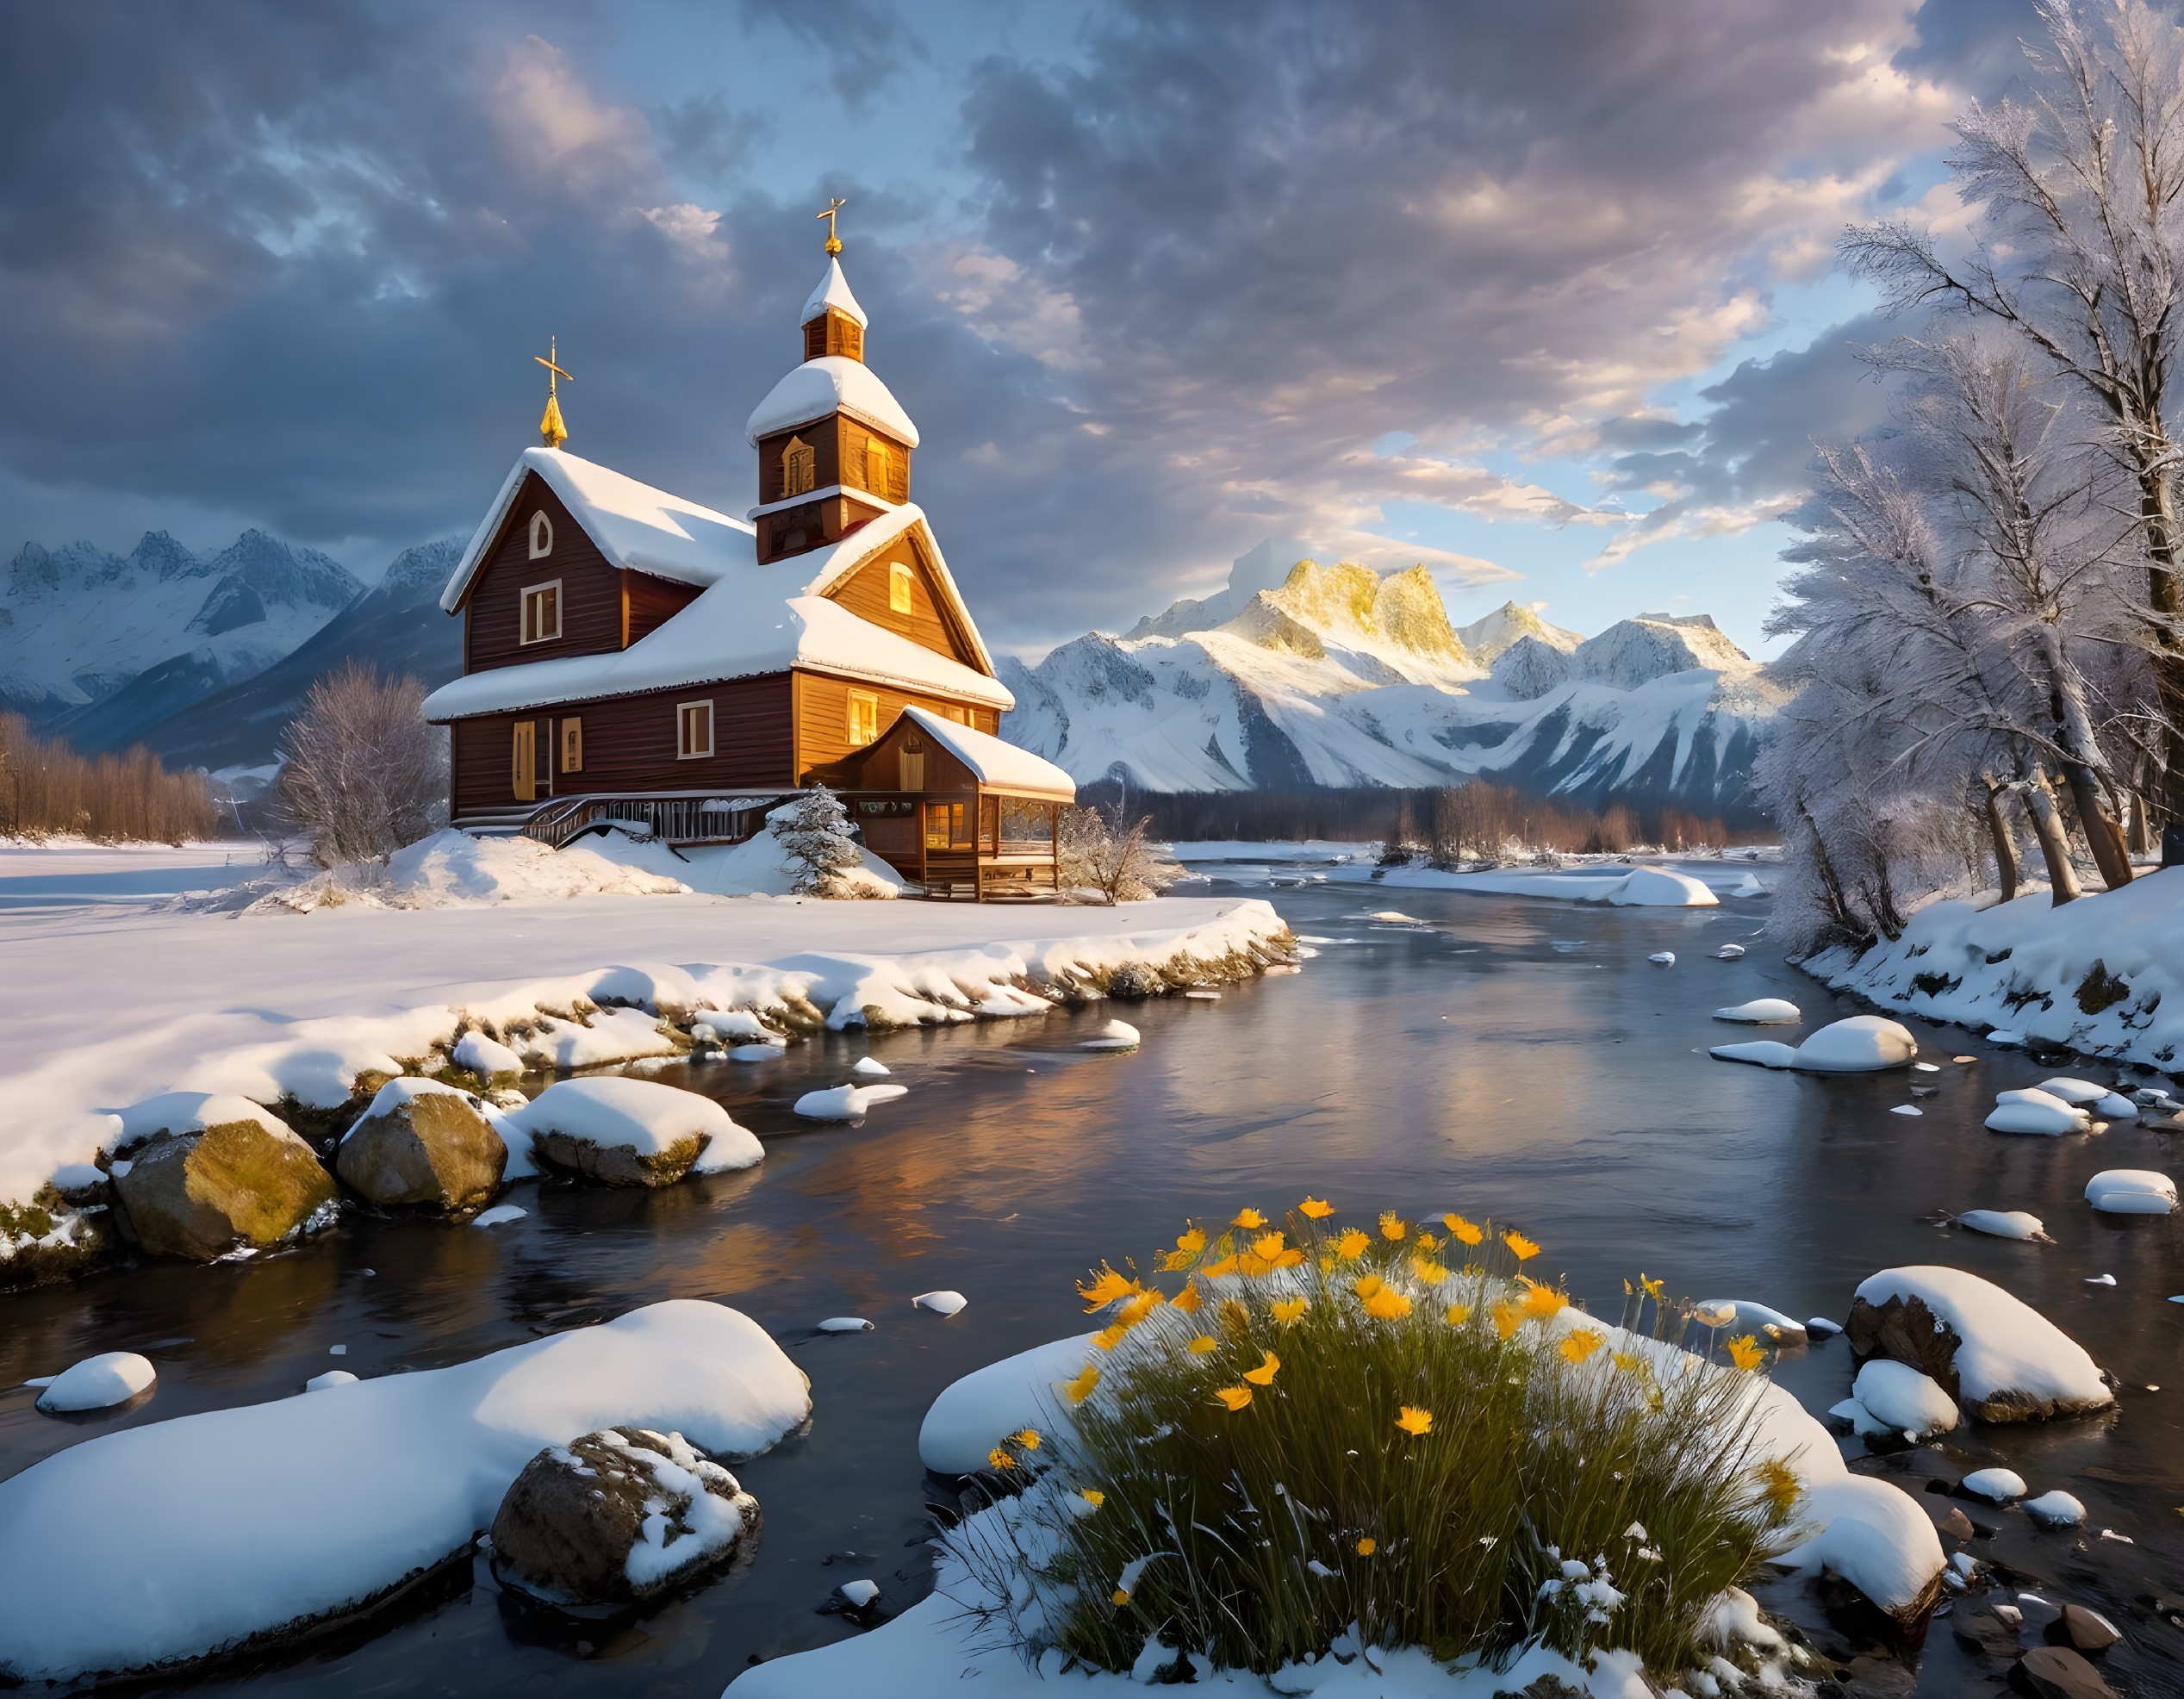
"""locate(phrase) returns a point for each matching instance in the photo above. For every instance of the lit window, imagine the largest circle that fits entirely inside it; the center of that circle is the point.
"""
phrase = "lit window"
(864, 718)
(799, 467)
(542, 536)
(900, 579)
(876, 460)
(542, 613)
(572, 746)
(693, 729)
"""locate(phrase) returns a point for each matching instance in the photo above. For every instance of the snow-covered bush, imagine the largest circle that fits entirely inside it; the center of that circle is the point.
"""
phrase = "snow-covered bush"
(1388, 1432)
(818, 847)
(1123, 863)
(363, 773)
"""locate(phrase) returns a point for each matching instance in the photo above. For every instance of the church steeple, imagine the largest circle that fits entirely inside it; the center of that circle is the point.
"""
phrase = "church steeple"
(833, 444)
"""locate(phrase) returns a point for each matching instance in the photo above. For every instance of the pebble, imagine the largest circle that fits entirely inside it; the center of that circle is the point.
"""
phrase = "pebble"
(858, 1594)
(1957, 1525)
(2101, 1279)
(1907, 1108)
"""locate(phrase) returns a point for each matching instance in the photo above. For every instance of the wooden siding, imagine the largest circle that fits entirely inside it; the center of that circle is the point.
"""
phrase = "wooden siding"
(653, 601)
(591, 589)
(822, 718)
(930, 623)
(838, 445)
(629, 744)
(826, 520)
(833, 332)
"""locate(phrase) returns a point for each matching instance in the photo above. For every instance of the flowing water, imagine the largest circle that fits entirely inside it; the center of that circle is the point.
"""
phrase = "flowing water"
(1508, 1057)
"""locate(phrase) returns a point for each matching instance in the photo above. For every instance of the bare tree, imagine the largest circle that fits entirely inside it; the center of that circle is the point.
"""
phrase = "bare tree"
(1121, 862)
(46, 788)
(361, 772)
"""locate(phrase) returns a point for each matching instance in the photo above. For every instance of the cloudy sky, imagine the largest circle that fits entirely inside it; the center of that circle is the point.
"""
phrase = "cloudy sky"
(1540, 294)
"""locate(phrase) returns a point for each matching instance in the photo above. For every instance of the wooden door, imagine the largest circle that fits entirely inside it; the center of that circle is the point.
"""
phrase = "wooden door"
(524, 771)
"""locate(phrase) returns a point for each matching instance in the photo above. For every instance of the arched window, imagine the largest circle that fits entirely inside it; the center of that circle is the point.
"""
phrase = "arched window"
(542, 535)
(899, 579)
(877, 466)
(799, 467)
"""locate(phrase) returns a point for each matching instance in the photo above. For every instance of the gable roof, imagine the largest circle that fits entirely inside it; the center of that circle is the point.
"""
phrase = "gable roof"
(633, 525)
(831, 384)
(997, 764)
(727, 633)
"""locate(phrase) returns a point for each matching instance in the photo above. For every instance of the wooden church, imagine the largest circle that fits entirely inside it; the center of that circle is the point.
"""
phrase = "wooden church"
(631, 657)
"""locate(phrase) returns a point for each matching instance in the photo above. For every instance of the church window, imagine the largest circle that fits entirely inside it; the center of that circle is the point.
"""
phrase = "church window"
(864, 718)
(542, 536)
(692, 730)
(877, 476)
(900, 579)
(542, 613)
(799, 467)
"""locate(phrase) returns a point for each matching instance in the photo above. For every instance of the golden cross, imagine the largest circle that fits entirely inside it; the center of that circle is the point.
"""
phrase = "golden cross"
(835, 205)
(547, 359)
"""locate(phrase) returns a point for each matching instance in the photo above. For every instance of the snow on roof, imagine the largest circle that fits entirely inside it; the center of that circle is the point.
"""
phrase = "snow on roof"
(833, 290)
(830, 383)
(724, 634)
(633, 525)
(999, 765)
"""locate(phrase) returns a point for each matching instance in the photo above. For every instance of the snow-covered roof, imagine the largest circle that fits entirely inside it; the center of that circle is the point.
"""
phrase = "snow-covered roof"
(998, 764)
(726, 633)
(832, 382)
(833, 290)
(633, 525)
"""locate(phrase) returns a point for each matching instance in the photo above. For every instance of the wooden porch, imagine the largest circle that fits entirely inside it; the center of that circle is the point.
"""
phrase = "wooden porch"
(972, 842)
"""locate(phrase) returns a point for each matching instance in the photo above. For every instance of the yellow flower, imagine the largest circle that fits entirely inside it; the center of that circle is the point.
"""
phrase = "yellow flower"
(1121, 1596)
(1457, 1314)
(1191, 1241)
(1581, 1342)
(1428, 1271)
(1202, 1344)
(1541, 1302)
(1316, 1207)
(1779, 1484)
(1267, 1246)
(1365, 1284)
(1027, 1437)
(1427, 1241)
(1250, 1220)
(1174, 1262)
(1107, 1287)
(1215, 1271)
(1631, 1363)
(1081, 1388)
(999, 1459)
(1388, 1304)
(1291, 1258)
(1263, 1375)
(1326, 1263)
(1367, 1546)
(1747, 1352)
(1234, 1318)
(1092, 1496)
(1188, 1300)
(1507, 1318)
(1468, 1233)
(1351, 1246)
(1392, 1226)
(1653, 1288)
(1415, 1421)
(1110, 1336)
(1138, 1309)
(1524, 1248)
(1235, 1398)
(1287, 1309)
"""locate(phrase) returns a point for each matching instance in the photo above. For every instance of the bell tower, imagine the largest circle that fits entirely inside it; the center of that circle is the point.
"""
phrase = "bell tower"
(834, 444)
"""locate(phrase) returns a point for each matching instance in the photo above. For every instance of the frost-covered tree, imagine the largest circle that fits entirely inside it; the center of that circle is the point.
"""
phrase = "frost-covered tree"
(2078, 189)
(818, 847)
(1099, 851)
(362, 773)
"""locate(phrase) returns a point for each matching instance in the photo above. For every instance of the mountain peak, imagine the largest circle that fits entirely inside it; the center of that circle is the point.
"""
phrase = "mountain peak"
(1487, 637)
(1346, 601)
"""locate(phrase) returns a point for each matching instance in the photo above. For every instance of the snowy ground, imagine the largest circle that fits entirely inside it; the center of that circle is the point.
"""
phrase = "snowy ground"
(102, 1006)
(72, 873)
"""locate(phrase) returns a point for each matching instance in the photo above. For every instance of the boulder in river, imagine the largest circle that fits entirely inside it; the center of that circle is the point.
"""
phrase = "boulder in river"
(632, 1132)
(617, 1516)
(2057, 1673)
(422, 1145)
(1998, 1357)
(248, 1182)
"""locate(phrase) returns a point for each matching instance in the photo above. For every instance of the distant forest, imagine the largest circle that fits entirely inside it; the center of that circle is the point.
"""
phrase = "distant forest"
(1453, 823)
(47, 790)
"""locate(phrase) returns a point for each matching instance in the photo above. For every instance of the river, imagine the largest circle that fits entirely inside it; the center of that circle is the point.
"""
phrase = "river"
(1507, 1056)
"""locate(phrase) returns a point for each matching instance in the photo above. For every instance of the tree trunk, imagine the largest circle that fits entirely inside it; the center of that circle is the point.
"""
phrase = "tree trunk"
(1830, 885)
(2102, 837)
(2005, 848)
(2054, 842)
(2165, 646)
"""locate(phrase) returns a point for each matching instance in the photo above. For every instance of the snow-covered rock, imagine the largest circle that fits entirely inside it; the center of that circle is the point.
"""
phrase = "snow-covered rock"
(98, 1382)
(845, 1324)
(1761, 1012)
(2036, 1112)
(2005, 1224)
(1115, 1035)
(1860, 1044)
(2131, 1191)
(1729, 953)
(422, 1145)
(331, 1379)
(846, 1103)
(499, 1215)
(870, 1068)
(941, 1302)
(2076, 1092)
(425, 1457)
(1662, 958)
(1746, 1316)
(616, 1516)
(2056, 1509)
(1999, 1358)
(488, 1058)
(1640, 887)
(1899, 1396)
(633, 1132)
(245, 1183)
(970, 1414)
(1997, 1485)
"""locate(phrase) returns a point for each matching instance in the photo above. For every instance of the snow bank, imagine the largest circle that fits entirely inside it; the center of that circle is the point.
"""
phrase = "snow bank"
(1862, 1044)
(98, 1382)
(1639, 887)
(2131, 1191)
(168, 1541)
(2103, 976)
(2007, 1347)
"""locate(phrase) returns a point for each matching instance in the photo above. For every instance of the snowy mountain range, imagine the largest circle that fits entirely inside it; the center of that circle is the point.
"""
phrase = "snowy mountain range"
(1341, 676)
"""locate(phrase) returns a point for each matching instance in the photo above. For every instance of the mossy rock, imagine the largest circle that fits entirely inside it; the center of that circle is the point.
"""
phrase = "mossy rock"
(203, 1194)
(2100, 989)
(617, 1164)
(427, 1150)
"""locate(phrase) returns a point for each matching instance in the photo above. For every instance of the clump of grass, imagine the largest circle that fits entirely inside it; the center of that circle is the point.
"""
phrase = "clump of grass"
(1307, 1431)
